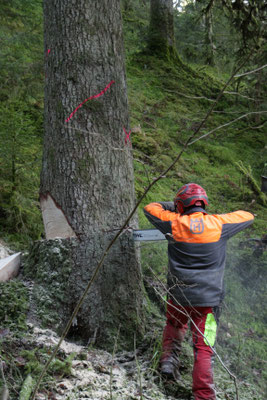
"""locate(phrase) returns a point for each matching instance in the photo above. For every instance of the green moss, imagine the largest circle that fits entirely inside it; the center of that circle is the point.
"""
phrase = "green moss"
(13, 305)
(49, 264)
(35, 359)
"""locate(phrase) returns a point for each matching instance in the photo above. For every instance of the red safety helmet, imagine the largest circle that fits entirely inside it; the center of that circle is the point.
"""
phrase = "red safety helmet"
(189, 195)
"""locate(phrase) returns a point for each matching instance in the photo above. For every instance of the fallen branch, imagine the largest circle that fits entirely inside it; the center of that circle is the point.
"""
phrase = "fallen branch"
(228, 112)
(241, 95)
(4, 394)
(26, 389)
(247, 171)
(187, 96)
(122, 229)
(227, 124)
(112, 361)
(251, 72)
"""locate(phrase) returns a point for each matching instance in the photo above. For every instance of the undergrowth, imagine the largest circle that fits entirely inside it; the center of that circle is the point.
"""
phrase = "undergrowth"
(13, 306)
(165, 112)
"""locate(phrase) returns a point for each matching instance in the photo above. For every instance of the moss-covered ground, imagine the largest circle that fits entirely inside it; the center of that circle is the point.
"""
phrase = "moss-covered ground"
(167, 103)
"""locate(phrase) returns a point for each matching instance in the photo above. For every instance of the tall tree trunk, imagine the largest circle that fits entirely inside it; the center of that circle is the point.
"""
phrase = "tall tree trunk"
(161, 30)
(87, 183)
(210, 46)
(258, 94)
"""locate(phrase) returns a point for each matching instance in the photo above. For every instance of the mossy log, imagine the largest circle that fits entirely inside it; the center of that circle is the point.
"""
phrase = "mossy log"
(247, 172)
(4, 393)
(26, 389)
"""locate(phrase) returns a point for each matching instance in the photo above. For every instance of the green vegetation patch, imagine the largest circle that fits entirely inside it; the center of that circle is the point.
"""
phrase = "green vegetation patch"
(13, 305)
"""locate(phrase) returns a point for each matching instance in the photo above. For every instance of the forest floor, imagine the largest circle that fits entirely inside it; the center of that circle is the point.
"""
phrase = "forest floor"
(82, 372)
(86, 372)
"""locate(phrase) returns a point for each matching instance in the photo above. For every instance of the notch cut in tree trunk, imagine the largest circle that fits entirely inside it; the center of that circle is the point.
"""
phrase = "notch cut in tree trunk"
(55, 222)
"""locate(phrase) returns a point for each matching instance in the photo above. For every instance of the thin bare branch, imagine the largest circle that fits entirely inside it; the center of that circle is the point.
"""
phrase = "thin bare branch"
(227, 124)
(4, 392)
(187, 96)
(240, 95)
(251, 72)
(2, 372)
(228, 112)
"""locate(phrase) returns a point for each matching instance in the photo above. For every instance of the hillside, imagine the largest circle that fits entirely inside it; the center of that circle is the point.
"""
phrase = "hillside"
(165, 110)
(167, 101)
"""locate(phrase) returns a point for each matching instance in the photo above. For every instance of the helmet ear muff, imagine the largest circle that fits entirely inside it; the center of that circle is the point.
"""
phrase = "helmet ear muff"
(179, 207)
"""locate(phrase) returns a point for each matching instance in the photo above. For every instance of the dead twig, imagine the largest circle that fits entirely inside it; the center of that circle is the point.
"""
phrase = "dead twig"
(241, 95)
(4, 393)
(138, 370)
(227, 124)
(251, 72)
(112, 361)
(187, 96)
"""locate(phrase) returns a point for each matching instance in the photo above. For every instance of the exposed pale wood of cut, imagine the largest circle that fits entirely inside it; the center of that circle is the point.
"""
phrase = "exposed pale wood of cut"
(9, 267)
(55, 222)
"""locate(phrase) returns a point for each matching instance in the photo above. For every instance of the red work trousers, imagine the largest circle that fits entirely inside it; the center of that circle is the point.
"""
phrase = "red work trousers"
(173, 335)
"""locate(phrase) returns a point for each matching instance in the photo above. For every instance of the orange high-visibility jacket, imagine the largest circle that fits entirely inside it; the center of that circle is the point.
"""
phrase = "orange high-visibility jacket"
(196, 250)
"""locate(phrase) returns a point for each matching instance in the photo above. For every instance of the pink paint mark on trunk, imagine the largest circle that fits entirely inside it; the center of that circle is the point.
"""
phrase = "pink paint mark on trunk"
(127, 136)
(90, 98)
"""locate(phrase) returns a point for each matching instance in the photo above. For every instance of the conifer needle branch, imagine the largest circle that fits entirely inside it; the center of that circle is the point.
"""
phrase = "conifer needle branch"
(227, 124)
(124, 225)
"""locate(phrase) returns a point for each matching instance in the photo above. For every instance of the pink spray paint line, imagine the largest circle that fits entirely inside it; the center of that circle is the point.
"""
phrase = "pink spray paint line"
(47, 54)
(127, 136)
(90, 98)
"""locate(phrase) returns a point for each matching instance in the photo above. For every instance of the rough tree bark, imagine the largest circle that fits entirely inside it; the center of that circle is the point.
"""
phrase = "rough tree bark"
(87, 183)
(161, 30)
(209, 42)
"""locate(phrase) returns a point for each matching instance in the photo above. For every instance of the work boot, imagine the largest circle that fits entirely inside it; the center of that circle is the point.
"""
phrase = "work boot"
(169, 367)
